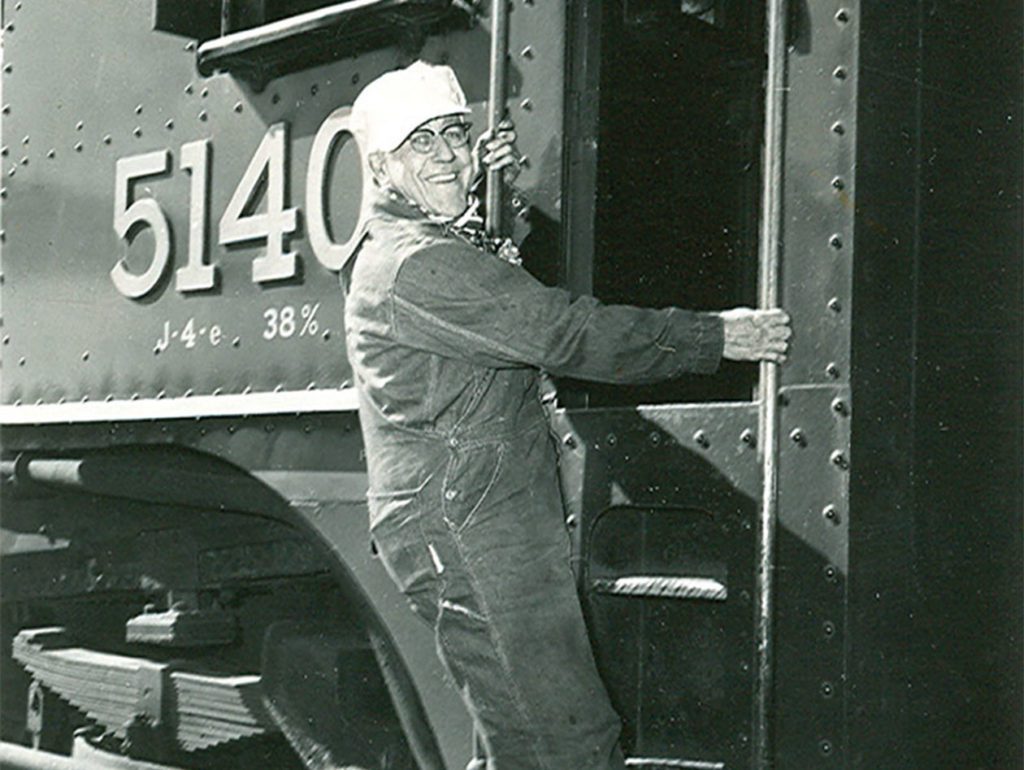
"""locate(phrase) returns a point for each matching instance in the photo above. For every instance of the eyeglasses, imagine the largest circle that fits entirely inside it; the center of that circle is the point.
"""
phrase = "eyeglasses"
(424, 141)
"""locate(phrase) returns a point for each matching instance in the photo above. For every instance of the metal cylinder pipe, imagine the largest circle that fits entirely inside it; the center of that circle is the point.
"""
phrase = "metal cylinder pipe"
(14, 757)
(768, 280)
(496, 107)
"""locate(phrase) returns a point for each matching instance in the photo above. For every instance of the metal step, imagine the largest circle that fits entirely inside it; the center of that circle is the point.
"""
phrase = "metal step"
(662, 587)
(659, 763)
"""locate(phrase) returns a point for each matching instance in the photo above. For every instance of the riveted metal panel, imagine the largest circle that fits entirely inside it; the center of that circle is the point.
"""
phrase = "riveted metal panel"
(811, 575)
(668, 493)
(818, 190)
(814, 462)
(90, 82)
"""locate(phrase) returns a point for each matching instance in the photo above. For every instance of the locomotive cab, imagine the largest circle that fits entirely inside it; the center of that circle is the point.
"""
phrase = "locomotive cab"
(789, 567)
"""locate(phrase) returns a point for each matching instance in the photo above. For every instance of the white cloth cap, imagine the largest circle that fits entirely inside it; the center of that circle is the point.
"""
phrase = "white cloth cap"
(391, 107)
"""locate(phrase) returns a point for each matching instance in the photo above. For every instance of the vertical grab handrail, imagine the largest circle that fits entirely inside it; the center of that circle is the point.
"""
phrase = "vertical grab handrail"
(496, 107)
(768, 281)
(492, 221)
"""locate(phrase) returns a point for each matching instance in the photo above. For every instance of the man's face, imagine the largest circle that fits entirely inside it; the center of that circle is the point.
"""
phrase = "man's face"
(430, 167)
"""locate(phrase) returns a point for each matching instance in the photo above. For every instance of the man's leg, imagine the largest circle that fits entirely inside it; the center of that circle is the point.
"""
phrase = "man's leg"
(508, 621)
(511, 630)
(527, 673)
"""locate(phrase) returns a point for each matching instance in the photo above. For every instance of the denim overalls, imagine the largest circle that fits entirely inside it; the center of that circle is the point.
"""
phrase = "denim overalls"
(446, 342)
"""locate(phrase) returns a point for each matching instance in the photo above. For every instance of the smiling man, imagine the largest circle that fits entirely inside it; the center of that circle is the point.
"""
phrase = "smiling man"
(447, 341)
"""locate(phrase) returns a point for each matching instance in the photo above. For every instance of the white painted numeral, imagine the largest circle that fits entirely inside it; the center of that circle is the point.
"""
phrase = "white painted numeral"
(188, 333)
(143, 211)
(330, 254)
(271, 331)
(197, 275)
(287, 326)
(269, 163)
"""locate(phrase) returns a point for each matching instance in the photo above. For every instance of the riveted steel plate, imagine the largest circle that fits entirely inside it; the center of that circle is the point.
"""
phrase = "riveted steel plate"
(91, 83)
(667, 495)
(811, 572)
(819, 191)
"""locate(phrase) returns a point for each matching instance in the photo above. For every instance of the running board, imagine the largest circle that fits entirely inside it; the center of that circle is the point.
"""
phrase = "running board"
(662, 587)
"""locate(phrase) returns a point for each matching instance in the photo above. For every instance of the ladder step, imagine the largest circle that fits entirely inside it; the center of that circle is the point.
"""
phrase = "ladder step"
(658, 763)
(663, 587)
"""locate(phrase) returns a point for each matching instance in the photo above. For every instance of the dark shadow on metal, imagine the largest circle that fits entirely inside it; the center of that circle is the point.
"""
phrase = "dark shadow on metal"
(667, 563)
(173, 476)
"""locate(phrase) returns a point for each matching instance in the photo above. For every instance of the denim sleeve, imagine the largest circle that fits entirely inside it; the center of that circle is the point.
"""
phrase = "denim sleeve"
(455, 301)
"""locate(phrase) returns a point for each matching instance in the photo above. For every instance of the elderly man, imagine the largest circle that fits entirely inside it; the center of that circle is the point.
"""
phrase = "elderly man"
(447, 339)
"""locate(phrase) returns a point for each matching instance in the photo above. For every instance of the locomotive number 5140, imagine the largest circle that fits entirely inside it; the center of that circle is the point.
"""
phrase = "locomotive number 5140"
(273, 226)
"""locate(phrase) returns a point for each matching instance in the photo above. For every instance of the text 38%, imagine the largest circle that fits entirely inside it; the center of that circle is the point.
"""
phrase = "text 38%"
(285, 322)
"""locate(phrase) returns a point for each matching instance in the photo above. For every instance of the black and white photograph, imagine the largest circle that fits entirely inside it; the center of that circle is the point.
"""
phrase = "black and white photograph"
(511, 385)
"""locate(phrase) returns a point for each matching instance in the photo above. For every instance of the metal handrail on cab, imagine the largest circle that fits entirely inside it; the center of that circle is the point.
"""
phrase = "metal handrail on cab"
(768, 281)
(496, 107)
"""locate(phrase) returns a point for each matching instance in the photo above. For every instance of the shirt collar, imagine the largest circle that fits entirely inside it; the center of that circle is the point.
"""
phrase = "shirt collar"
(468, 225)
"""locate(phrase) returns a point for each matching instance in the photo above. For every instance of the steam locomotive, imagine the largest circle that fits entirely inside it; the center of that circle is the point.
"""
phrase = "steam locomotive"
(809, 566)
